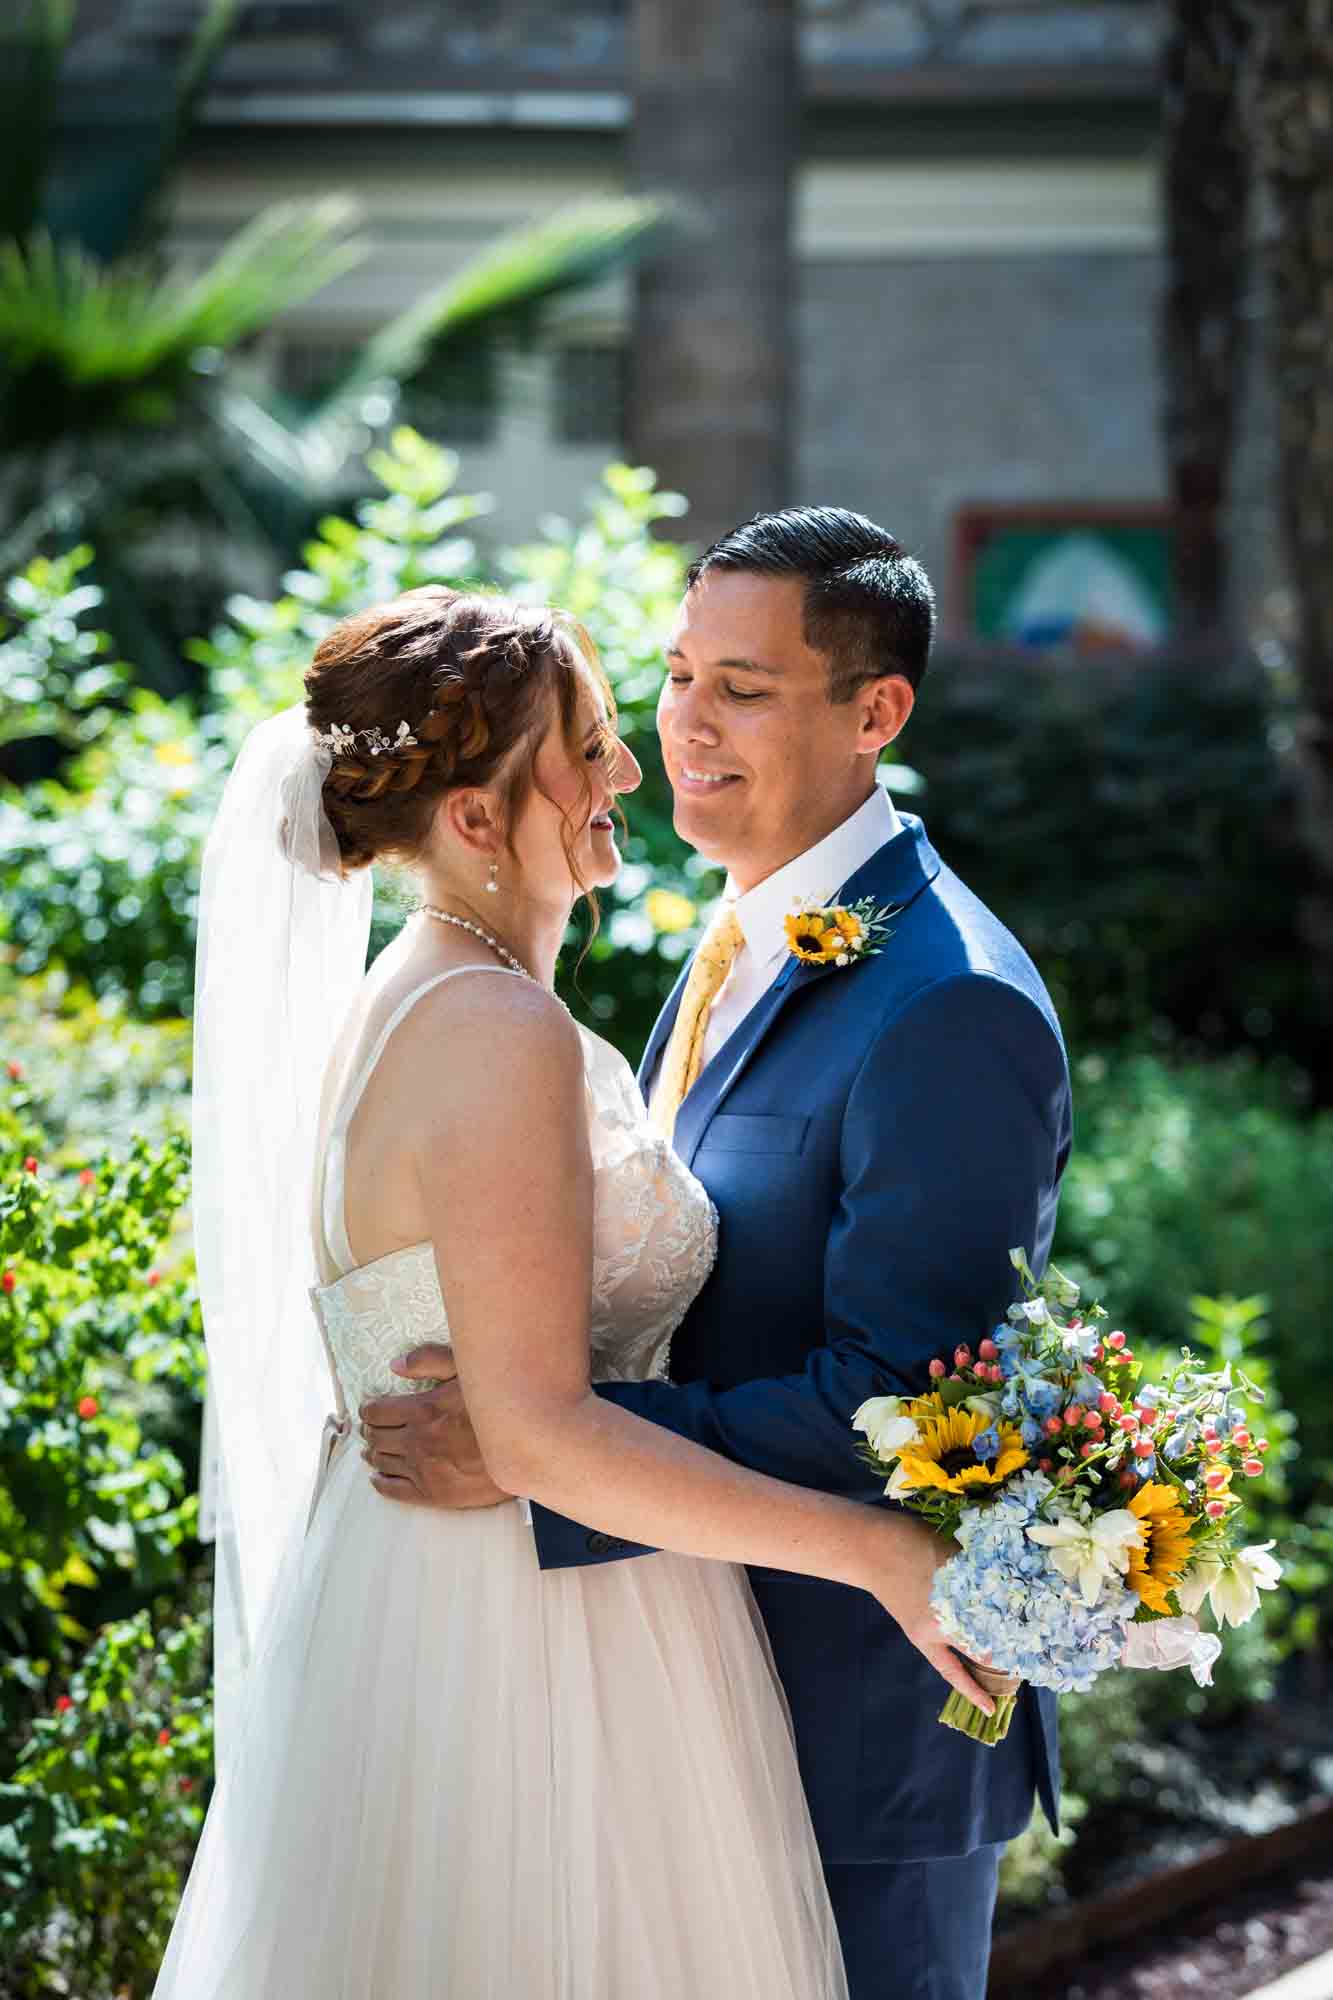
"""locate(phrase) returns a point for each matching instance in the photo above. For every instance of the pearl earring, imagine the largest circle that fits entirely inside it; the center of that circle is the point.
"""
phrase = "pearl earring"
(493, 881)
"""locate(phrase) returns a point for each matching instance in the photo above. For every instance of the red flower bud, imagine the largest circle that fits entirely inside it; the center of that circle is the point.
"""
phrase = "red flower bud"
(1252, 1467)
(936, 1370)
(1046, 1465)
(962, 1357)
(153, 1278)
(988, 1351)
(1143, 1447)
(63, 1704)
(164, 1737)
(1217, 1478)
(1108, 1403)
(7, 1281)
(87, 1178)
(1074, 1416)
(1262, 1445)
(30, 1164)
(88, 1406)
(15, 1070)
(1052, 1427)
(1126, 1354)
(187, 1784)
(1215, 1509)
(1115, 1340)
(1128, 1477)
(1212, 1446)
(1240, 1437)
(1086, 1450)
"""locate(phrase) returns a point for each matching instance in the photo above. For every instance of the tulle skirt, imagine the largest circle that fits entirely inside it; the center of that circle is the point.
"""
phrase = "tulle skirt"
(458, 1778)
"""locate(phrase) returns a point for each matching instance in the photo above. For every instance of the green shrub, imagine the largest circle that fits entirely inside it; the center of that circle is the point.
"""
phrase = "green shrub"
(101, 1364)
(1134, 822)
(1207, 1178)
(99, 1819)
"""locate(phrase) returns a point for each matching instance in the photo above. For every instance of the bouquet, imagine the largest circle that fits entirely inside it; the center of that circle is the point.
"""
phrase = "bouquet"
(1094, 1511)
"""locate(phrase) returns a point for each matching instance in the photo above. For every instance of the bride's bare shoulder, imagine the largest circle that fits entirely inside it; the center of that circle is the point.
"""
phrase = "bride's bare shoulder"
(486, 1028)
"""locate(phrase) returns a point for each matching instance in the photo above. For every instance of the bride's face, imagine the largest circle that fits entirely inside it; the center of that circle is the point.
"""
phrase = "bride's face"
(565, 836)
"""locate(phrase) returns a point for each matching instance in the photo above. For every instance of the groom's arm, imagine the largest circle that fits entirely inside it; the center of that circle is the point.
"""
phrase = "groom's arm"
(954, 1137)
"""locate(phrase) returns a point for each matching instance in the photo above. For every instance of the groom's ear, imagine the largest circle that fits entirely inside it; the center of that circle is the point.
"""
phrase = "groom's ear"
(884, 706)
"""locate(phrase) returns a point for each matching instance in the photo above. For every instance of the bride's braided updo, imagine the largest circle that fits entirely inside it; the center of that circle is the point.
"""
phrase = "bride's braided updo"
(476, 679)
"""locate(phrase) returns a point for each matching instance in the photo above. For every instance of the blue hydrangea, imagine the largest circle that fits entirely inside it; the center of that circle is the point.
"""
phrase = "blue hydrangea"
(1001, 1595)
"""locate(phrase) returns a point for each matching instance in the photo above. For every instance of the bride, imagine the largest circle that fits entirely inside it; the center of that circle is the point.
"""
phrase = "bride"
(441, 1772)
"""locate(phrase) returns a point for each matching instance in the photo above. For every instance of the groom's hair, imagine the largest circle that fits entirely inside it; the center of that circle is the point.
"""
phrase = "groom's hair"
(868, 604)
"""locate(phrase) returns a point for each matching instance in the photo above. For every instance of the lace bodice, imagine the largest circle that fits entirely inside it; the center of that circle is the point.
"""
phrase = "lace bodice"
(654, 1240)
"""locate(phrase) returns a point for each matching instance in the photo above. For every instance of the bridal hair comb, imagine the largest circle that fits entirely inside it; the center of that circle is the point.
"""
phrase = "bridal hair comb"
(341, 741)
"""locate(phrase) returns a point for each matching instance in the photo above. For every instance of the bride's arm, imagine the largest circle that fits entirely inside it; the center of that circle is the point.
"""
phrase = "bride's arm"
(506, 1184)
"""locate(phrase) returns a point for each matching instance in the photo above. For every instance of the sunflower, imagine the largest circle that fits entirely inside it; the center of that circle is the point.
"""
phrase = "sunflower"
(814, 936)
(944, 1454)
(1163, 1555)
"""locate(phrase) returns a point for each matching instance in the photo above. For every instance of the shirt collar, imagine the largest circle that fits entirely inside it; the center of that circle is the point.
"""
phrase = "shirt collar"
(813, 877)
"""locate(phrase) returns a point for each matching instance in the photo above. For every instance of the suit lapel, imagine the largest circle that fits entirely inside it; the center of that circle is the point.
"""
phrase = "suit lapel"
(895, 876)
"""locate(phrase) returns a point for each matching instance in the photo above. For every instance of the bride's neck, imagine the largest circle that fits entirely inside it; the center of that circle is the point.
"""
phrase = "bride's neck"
(531, 930)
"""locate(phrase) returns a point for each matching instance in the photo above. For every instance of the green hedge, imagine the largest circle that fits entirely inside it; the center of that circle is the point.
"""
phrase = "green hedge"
(1134, 822)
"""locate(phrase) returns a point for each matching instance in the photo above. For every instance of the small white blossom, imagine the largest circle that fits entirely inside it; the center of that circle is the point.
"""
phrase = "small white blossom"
(1090, 1553)
(884, 1424)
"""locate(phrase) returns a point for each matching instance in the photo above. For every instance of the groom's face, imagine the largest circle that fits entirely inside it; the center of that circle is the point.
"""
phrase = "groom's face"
(762, 763)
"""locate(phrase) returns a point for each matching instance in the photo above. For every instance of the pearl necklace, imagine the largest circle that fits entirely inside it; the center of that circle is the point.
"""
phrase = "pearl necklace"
(447, 917)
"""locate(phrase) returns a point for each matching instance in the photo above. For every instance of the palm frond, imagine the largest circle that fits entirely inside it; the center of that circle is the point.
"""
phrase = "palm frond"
(97, 324)
(524, 268)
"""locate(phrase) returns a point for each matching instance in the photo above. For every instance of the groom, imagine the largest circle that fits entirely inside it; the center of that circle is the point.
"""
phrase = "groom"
(875, 1137)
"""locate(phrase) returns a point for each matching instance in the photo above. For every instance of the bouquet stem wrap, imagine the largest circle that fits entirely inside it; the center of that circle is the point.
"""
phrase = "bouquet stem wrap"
(960, 1713)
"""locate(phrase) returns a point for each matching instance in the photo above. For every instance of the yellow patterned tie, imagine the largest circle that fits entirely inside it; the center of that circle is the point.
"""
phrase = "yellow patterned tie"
(684, 1056)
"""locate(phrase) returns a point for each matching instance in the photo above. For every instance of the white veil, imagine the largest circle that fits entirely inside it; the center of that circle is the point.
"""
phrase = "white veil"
(282, 950)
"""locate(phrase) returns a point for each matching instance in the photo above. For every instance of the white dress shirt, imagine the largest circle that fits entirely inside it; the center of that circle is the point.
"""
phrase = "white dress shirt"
(809, 881)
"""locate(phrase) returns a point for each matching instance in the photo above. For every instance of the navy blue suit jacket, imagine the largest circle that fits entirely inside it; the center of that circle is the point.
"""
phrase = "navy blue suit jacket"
(875, 1138)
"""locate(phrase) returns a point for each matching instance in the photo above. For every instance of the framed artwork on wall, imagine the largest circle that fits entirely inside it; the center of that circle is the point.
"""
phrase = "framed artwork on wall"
(1080, 578)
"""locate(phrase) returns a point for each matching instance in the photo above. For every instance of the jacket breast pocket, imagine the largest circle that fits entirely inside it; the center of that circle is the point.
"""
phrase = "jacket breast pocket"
(732, 1132)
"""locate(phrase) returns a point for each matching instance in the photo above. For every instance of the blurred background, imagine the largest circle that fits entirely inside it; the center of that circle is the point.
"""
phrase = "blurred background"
(305, 301)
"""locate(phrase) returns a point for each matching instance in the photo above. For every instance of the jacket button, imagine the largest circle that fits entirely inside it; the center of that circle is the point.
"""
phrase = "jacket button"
(601, 1545)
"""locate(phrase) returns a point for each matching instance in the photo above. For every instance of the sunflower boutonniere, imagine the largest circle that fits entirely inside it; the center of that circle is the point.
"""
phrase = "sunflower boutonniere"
(840, 934)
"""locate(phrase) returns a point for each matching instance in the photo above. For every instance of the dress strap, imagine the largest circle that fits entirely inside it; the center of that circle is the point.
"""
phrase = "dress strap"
(332, 1203)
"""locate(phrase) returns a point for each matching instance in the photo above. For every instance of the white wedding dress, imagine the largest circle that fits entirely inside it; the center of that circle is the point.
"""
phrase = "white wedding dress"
(456, 1777)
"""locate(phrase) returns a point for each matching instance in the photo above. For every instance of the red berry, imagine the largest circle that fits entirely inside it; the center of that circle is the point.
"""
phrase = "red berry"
(1046, 1465)
(1143, 1447)
(153, 1278)
(63, 1704)
(1052, 1427)
(1074, 1416)
(15, 1070)
(187, 1784)
(1128, 1477)
(30, 1164)
(1252, 1467)
(87, 1178)
(936, 1370)
(1262, 1445)
(7, 1281)
(988, 1351)
(1126, 1354)
(1108, 1403)
(961, 1357)
(164, 1737)
(88, 1406)
(1215, 1509)
(1240, 1436)
(1116, 1340)
(1086, 1450)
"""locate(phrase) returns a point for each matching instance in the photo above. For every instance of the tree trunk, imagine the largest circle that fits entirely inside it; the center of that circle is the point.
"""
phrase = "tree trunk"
(1294, 127)
(716, 133)
(1206, 174)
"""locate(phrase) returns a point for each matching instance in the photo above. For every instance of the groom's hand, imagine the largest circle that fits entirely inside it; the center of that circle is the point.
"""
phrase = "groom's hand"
(422, 1449)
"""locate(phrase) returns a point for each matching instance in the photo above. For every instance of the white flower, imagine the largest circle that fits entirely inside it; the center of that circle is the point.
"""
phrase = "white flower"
(1232, 1589)
(900, 1484)
(887, 1429)
(1196, 1583)
(1035, 1310)
(1090, 1553)
(1235, 1595)
(983, 1406)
